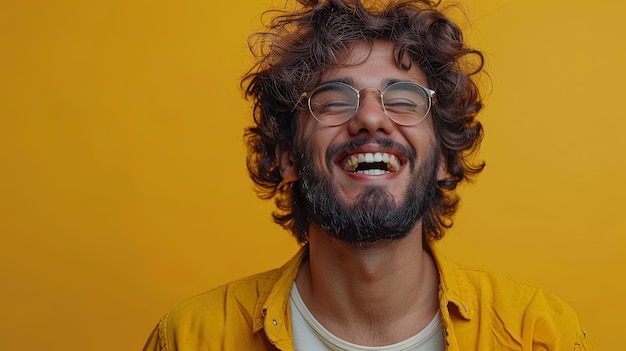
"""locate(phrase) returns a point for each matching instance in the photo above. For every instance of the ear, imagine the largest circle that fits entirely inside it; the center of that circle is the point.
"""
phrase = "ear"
(286, 162)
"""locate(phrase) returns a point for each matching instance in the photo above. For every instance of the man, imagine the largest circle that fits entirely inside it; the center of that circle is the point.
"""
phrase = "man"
(364, 121)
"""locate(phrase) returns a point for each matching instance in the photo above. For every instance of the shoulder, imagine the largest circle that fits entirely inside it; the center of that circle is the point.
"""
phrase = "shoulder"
(505, 292)
(542, 317)
(208, 320)
(213, 306)
(479, 290)
(228, 317)
(490, 309)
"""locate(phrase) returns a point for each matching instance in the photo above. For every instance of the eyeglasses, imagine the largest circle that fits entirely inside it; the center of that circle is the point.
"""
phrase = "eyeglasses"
(336, 103)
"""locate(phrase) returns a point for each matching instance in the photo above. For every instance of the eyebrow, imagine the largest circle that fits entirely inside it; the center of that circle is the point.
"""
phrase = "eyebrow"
(346, 80)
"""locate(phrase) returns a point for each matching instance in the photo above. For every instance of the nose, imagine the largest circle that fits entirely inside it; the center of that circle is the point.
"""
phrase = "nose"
(370, 117)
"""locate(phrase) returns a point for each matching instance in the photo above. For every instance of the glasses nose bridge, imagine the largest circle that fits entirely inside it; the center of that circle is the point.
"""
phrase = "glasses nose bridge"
(379, 94)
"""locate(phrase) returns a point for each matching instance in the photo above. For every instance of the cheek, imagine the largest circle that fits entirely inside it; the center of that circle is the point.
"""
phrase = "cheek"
(421, 137)
(428, 129)
(315, 139)
(428, 125)
(314, 150)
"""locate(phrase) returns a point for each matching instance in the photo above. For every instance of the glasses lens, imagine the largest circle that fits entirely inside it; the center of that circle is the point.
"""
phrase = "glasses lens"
(333, 103)
(406, 103)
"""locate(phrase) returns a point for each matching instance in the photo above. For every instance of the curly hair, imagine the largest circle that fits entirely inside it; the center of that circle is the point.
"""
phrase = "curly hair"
(299, 45)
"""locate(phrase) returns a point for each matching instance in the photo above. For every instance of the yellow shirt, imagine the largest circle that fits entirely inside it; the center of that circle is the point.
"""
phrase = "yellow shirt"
(479, 311)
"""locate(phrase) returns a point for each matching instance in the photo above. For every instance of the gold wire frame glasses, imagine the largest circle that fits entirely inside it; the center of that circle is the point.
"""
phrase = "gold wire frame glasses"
(335, 103)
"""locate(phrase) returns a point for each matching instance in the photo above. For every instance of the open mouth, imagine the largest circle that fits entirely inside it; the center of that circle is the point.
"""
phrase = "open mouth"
(369, 163)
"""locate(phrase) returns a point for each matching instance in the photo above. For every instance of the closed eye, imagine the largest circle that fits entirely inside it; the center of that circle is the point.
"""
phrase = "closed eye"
(401, 105)
(333, 107)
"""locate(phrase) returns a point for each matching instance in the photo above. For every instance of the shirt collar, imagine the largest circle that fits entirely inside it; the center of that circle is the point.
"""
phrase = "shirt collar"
(272, 309)
(453, 287)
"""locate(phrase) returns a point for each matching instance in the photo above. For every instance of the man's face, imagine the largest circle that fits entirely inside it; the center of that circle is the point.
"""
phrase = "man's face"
(346, 201)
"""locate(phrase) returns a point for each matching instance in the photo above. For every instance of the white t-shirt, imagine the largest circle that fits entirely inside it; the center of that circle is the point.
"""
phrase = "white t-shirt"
(310, 335)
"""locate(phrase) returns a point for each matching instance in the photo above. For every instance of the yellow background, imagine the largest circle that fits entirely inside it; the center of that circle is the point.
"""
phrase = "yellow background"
(122, 182)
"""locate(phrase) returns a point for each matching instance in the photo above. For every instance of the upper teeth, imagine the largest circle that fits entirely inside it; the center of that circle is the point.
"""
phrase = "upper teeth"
(391, 161)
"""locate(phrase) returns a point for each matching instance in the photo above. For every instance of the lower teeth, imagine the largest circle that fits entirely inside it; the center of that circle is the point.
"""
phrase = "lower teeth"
(371, 172)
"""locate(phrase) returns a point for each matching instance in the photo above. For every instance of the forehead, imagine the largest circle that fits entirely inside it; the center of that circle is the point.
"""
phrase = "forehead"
(373, 65)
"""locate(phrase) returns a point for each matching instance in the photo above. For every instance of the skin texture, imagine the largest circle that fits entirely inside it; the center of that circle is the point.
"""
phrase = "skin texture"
(380, 292)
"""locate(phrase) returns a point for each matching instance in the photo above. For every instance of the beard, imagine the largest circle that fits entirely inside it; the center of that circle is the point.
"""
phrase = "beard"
(374, 215)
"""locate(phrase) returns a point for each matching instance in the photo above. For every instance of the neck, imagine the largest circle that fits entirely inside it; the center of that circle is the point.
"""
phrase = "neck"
(373, 294)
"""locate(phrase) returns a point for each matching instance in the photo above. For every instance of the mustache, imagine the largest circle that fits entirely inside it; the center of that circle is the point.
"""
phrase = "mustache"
(358, 142)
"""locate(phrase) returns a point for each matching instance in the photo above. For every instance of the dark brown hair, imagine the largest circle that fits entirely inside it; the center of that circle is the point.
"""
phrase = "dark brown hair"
(299, 46)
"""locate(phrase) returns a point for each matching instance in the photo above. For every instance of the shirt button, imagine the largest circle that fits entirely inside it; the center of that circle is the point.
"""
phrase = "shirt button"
(274, 322)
